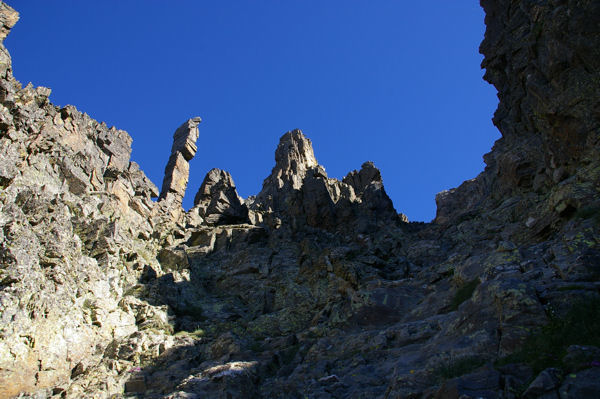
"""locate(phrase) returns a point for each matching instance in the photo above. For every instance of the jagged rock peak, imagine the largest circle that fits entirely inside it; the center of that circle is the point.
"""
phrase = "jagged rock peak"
(177, 170)
(215, 178)
(360, 180)
(217, 200)
(293, 157)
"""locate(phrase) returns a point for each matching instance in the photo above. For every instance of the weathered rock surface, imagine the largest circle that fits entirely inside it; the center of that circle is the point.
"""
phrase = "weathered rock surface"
(543, 58)
(177, 171)
(299, 193)
(313, 288)
(217, 200)
(75, 217)
(8, 19)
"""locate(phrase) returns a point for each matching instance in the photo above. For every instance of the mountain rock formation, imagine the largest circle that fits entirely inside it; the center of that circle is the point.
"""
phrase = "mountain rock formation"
(299, 192)
(217, 200)
(315, 287)
(177, 171)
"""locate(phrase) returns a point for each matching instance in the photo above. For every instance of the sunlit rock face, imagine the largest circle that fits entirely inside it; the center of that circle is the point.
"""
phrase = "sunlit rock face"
(315, 287)
(177, 170)
(73, 208)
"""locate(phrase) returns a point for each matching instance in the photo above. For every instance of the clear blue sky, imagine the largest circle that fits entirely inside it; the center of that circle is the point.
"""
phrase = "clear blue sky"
(394, 82)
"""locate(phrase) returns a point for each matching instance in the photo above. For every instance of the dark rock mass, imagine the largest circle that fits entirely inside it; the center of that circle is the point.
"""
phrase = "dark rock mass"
(299, 193)
(217, 200)
(315, 287)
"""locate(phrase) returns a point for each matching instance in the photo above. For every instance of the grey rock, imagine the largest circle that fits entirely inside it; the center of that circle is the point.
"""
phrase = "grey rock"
(177, 170)
(484, 383)
(136, 384)
(360, 180)
(185, 137)
(217, 201)
(299, 192)
(103, 291)
(293, 158)
(117, 145)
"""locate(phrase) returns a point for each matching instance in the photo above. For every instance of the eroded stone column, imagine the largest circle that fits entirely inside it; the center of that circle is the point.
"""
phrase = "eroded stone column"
(177, 170)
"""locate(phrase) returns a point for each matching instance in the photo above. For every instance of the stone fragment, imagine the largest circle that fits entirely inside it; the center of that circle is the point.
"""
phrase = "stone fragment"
(142, 185)
(484, 383)
(117, 145)
(172, 259)
(8, 162)
(184, 139)
(177, 169)
(176, 177)
(136, 384)
(506, 246)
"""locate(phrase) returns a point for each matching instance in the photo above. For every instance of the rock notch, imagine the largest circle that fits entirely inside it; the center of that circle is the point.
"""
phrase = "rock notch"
(177, 170)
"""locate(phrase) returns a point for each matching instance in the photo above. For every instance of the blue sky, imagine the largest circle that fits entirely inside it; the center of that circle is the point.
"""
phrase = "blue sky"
(394, 82)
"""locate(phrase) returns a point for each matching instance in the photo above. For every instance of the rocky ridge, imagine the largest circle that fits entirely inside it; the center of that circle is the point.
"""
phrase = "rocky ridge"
(315, 287)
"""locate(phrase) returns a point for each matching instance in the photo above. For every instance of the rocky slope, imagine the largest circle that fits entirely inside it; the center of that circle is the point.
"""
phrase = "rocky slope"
(315, 287)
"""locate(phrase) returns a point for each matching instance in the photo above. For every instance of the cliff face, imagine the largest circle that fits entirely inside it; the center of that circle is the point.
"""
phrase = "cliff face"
(315, 287)
(543, 58)
(76, 223)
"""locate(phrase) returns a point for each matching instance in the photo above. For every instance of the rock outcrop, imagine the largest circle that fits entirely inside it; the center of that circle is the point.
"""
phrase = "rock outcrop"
(299, 192)
(294, 157)
(74, 228)
(8, 19)
(177, 171)
(217, 201)
(543, 59)
(315, 287)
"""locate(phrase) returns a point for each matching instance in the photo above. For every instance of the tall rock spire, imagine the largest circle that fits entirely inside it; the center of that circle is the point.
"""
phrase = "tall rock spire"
(177, 170)
(294, 156)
